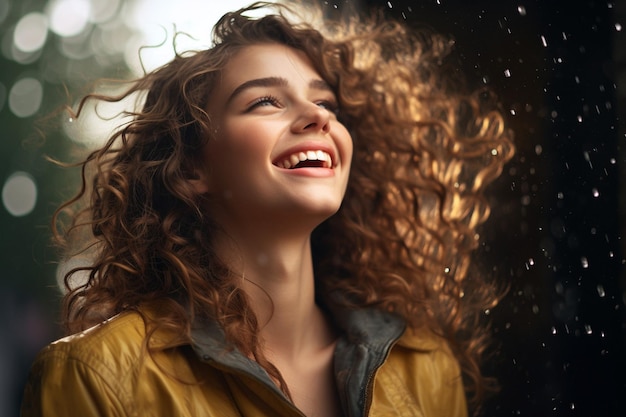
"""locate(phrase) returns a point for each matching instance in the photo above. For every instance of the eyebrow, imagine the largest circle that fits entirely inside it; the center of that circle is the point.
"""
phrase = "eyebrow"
(315, 84)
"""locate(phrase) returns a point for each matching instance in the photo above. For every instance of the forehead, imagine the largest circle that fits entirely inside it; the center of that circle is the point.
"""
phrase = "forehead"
(266, 60)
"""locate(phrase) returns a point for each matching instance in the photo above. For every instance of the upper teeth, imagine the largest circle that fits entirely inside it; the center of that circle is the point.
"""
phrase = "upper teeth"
(297, 157)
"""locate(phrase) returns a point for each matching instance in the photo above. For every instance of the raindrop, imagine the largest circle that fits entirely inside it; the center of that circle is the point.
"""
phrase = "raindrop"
(535, 309)
(579, 118)
(618, 27)
(572, 406)
(521, 10)
(446, 270)
(560, 195)
(595, 192)
(584, 262)
(389, 5)
(494, 152)
(538, 149)
(600, 290)
(553, 330)
(588, 329)
(588, 158)
(543, 41)
(19, 194)
(507, 73)
(613, 161)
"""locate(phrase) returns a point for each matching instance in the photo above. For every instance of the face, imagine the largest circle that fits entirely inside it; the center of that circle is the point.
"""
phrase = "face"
(279, 152)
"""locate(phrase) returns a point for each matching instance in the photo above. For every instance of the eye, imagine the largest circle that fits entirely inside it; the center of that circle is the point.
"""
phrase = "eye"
(264, 102)
(329, 105)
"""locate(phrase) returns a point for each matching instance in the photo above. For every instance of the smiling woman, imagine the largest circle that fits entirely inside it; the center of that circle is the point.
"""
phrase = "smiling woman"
(283, 229)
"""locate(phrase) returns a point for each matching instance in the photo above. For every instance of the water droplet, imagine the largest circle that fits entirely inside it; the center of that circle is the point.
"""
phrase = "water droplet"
(521, 10)
(584, 262)
(613, 161)
(487, 312)
(494, 152)
(572, 406)
(618, 27)
(588, 329)
(600, 290)
(595, 192)
(535, 309)
(538, 149)
(507, 73)
(446, 269)
(553, 330)
(579, 118)
(389, 5)
(543, 41)
(560, 195)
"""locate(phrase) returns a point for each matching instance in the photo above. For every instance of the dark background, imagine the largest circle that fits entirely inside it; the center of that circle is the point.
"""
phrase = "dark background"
(556, 231)
(555, 235)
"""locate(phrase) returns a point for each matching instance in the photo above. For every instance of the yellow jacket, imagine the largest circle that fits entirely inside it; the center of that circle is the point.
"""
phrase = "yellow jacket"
(381, 370)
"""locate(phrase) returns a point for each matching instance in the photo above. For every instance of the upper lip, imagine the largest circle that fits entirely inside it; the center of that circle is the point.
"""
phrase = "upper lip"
(313, 151)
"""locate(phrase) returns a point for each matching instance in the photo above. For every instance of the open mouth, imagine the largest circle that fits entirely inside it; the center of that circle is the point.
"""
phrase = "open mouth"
(308, 159)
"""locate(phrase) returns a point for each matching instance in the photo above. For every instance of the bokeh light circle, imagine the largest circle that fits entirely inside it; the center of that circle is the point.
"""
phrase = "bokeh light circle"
(25, 97)
(19, 194)
(31, 32)
(69, 17)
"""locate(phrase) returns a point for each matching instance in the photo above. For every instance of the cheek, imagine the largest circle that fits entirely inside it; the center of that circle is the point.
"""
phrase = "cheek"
(346, 144)
(238, 149)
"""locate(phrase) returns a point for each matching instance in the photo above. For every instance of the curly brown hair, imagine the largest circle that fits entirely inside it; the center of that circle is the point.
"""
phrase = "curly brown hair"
(424, 152)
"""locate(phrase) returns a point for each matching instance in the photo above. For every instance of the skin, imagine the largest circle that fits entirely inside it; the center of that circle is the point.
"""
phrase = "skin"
(269, 105)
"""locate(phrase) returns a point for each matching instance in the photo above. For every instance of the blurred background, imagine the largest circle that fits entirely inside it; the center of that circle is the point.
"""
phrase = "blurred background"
(555, 235)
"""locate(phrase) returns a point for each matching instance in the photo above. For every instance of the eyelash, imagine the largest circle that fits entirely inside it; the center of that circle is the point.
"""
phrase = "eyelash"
(329, 105)
(264, 100)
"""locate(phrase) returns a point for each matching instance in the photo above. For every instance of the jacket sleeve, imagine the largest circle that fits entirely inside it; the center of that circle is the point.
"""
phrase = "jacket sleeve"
(60, 385)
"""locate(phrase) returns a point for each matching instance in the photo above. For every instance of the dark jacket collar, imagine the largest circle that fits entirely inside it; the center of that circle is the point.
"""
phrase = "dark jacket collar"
(367, 336)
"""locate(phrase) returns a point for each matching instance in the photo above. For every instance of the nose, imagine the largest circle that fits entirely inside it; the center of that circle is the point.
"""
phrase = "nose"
(312, 118)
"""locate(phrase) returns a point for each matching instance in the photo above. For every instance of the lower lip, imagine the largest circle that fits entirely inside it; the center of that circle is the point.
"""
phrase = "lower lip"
(310, 172)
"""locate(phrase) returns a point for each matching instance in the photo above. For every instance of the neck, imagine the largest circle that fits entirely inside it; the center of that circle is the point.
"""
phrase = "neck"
(277, 275)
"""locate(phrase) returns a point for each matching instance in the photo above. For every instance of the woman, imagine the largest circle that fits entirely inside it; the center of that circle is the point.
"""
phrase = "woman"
(283, 229)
